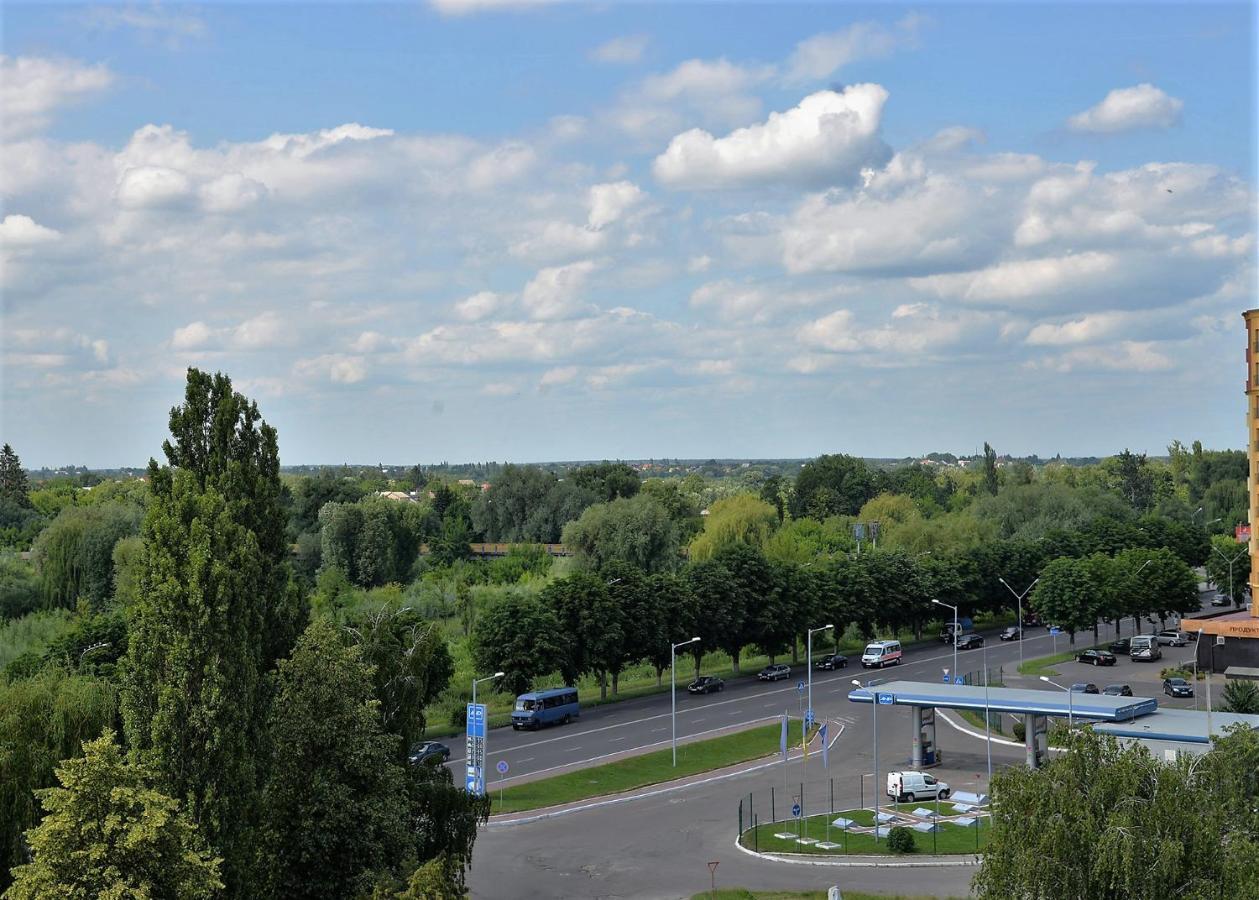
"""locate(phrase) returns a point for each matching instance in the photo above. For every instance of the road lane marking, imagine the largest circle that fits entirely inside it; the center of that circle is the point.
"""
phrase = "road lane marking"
(526, 759)
(614, 740)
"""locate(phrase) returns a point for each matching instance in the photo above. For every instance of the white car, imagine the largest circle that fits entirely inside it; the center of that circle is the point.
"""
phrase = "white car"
(910, 786)
(1173, 638)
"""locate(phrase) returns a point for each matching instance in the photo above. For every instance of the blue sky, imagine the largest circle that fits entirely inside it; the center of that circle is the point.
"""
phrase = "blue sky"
(498, 230)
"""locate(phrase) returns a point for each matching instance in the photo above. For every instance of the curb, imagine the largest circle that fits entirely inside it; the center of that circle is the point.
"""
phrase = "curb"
(853, 862)
(975, 734)
(653, 791)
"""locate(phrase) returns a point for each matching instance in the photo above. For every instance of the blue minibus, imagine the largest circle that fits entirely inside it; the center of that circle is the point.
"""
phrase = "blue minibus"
(538, 708)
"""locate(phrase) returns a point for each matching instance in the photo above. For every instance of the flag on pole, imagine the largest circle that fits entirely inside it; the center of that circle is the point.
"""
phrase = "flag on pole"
(782, 741)
(825, 760)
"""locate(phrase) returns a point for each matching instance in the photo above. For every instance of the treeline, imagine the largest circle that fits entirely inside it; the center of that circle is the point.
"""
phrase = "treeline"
(236, 741)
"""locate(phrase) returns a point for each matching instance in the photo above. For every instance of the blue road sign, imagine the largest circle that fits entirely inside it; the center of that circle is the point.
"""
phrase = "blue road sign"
(502, 767)
(800, 686)
(474, 770)
(958, 679)
(795, 810)
(1055, 631)
(808, 717)
(946, 676)
(887, 699)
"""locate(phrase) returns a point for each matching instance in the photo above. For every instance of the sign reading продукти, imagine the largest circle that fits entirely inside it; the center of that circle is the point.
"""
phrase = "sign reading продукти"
(474, 781)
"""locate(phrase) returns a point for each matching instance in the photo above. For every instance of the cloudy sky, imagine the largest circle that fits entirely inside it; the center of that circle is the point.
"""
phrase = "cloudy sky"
(477, 229)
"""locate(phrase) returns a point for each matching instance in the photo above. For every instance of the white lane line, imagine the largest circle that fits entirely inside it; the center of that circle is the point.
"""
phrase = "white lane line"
(526, 759)
(767, 705)
(697, 721)
(614, 740)
(574, 749)
(655, 730)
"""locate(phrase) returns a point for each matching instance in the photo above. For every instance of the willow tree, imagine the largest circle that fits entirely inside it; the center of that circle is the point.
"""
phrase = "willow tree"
(214, 608)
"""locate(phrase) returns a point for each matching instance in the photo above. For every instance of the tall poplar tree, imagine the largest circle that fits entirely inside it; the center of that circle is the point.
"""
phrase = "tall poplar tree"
(215, 608)
(13, 483)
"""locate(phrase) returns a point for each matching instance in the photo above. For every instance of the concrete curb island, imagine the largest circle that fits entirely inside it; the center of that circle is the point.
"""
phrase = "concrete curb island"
(874, 862)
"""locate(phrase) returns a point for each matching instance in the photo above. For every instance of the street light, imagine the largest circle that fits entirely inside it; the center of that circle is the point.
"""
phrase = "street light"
(673, 693)
(988, 716)
(808, 660)
(1230, 567)
(1019, 597)
(477, 681)
(1210, 668)
(874, 701)
(1070, 700)
(954, 608)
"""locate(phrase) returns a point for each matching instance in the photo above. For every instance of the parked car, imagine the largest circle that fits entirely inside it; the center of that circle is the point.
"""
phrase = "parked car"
(706, 684)
(912, 786)
(1173, 637)
(1096, 657)
(1012, 633)
(969, 641)
(831, 661)
(1117, 690)
(1081, 687)
(774, 673)
(1220, 599)
(429, 750)
(1145, 647)
(1177, 687)
(1123, 645)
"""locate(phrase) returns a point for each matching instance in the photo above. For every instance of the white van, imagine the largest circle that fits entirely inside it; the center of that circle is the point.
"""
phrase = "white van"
(911, 786)
(1145, 646)
(881, 653)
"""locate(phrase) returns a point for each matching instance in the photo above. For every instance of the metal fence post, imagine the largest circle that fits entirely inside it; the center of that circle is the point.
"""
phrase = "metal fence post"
(740, 834)
(773, 815)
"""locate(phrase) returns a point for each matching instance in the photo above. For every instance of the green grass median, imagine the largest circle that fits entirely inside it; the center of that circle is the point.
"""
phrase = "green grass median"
(738, 893)
(640, 771)
(949, 839)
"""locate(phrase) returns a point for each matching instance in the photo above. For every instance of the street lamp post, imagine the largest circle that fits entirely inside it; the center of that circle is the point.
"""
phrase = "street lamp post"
(988, 718)
(673, 693)
(874, 701)
(808, 660)
(1230, 569)
(1019, 597)
(475, 681)
(1070, 700)
(954, 608)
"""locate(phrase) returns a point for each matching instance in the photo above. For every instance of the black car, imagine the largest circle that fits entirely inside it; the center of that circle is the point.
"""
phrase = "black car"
(1220, 599)
(1096, 657)
(774, 673)
(967, 641)
(831, 661)
(1117, 690)
(1012, 633)
(1083, 688)
(1123, 645)
(1177, 687)
(429, 750)
(706, 684)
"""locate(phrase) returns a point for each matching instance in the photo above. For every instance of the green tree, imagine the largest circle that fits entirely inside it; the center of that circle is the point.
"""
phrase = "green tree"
(74, 554)
(13, 484)
(108, 833)
(19, 588)
(990, 470)
(1223, 551)
(1066, 595)
(741, 519)
(216, 606)
(44, 719)
(1241, 697)
(681, 505)
(607, 480)
(518, 635)
(637, 531)
(334, 805)
(1112, 822)
(593, 625)
(374, 541)
(832, 485)
(772, 493)
(674, 616)
(720, 618)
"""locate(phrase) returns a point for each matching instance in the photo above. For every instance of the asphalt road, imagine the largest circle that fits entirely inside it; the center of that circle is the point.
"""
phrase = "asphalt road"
(659, 846)
(645, 722)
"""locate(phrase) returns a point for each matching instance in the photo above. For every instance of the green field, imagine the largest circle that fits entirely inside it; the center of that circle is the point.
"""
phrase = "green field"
(737, 893)
(640, 771)
(949, 839)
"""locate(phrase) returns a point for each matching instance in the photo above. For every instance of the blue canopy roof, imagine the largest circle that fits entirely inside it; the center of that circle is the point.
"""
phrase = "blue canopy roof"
(1008, 700)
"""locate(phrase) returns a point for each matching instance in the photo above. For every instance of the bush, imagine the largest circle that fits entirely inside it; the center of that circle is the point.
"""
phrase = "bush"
(1241, 697)
(1177, 672)
(901, 840)
(1020, 730)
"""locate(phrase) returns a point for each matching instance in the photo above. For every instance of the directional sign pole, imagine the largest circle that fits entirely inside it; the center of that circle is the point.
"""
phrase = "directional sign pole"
(502, 770)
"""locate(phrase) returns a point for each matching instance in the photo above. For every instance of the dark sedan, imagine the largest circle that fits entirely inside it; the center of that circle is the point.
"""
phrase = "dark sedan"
(831, 661)
(1117, 690)
(429, 750)
(1083, 688)
(1177, 687)
(1012, 633)
(706, 684)
(774, 673)
(1096, 657)
(969, 641)
(1123, 645)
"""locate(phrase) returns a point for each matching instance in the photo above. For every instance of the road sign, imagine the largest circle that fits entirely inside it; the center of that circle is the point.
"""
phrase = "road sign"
(795, 810)
(502, 767)
(946, 676)
(800, 686)
(474, 775)
(808, 717)
(958, 679)
(1055, 631)
(886, 699)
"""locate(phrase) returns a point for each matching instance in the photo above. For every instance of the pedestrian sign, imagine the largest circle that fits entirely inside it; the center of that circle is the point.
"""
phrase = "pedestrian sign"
(808, 717)
(886, 699)
(795, 810)
(800, 686)
(959, 680)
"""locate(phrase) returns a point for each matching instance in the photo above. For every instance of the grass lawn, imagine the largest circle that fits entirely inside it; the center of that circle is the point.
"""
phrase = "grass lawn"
(737, 893)
(640, 771)
(950, 838)
(1042, 665)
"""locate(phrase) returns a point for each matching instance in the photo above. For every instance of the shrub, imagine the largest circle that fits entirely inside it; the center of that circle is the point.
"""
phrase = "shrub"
(1177, 672)
(1241, 697)
(901, 840)
(1020, 730)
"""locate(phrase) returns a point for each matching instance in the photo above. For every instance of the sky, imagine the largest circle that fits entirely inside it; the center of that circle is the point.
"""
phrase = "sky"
(525, 231)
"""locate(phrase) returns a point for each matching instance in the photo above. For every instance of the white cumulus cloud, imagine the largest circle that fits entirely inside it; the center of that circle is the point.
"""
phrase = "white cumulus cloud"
(555, 293)
(152, 187)
(1125, 109)
(822, 55)
(33, 88)
(829, 137)
(608, 202)
(23, 231)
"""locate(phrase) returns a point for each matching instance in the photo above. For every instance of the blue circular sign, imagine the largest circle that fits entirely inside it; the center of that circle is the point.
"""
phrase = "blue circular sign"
(795, 810)
(502, 767)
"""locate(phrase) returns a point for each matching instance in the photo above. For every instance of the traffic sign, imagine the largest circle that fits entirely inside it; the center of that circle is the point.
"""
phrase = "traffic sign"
(502, 767)
(958, 679)
(795, 810)
(1055, 630)
(474, 777)
(808, 717)
(800, 686)
(887, 699)
(946, 676)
